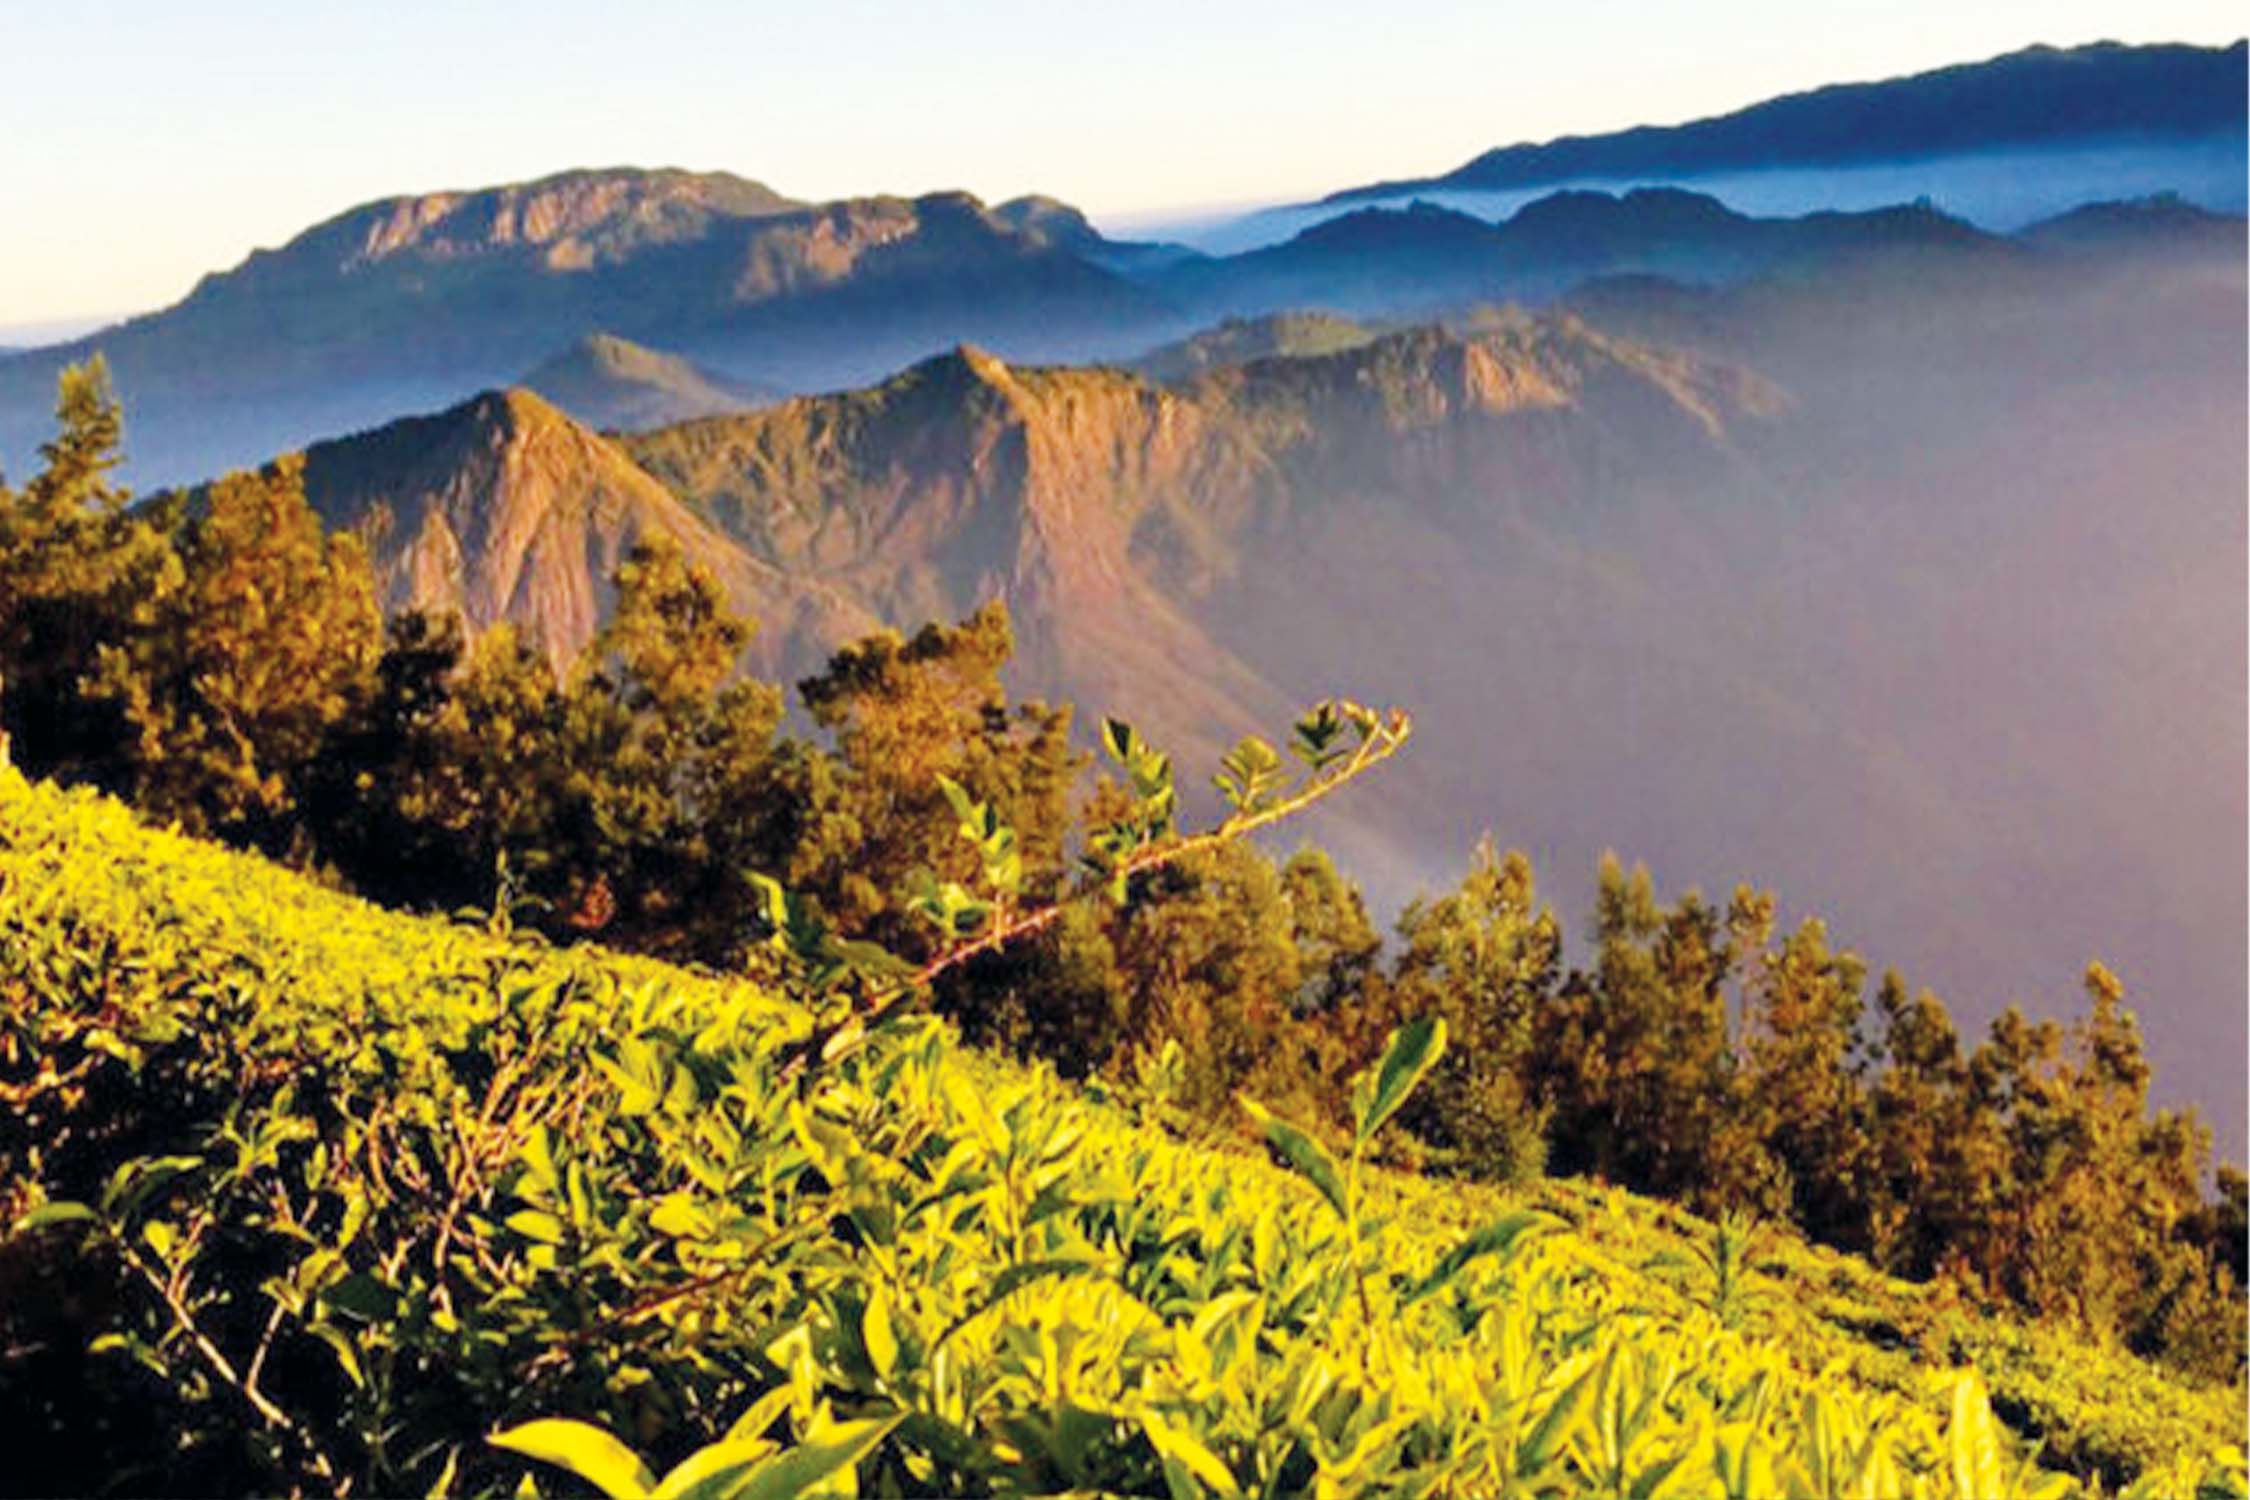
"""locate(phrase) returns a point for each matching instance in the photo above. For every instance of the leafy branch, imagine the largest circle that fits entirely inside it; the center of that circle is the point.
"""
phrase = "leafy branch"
(1334, 744)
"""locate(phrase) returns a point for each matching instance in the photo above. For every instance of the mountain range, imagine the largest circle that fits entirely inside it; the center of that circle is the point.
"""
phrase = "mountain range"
(2038, 96)
(414, 303)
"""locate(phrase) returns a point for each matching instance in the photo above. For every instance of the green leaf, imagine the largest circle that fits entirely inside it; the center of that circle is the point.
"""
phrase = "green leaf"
(537, 1224)
(61, 1211)
(590, 1453)
(965, 807)
(136, 1179)
(1500, 1237)
(677, 1215)
(785, 1476)
(1015, 1278)
(876, 1332)
(1554, 1424)
(1120, 741)
(1305, 1154)
(714, 1470)
(1178, 1446)
(1414, 1049)
(1973, 1439)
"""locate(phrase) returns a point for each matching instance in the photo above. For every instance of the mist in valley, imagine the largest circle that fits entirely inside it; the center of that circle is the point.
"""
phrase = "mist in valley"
(1949, 650)
(2002, 190)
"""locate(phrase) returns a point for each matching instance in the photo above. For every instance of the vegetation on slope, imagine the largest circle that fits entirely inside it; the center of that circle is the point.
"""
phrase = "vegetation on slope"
(310, 1196)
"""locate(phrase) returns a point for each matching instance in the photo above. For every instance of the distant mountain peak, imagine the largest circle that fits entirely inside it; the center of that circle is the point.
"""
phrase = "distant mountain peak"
(572, 220)
(2036, 95)
(616, 384)
(1050, 220)
(2159, 221)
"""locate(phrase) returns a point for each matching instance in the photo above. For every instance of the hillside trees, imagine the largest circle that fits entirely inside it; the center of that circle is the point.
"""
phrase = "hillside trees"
(1633, 1056)
(902, 713)
(255, 646)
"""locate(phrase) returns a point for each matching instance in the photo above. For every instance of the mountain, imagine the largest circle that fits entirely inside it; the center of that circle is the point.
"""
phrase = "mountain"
(1123, 522)
(2164, 224)
(613, 383)
(412, 303)
(2036, 97)
(1426, 258)
(504, 508)
(1240, 340)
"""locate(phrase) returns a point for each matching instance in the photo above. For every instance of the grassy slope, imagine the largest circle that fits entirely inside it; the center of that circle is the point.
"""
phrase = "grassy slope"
(166, 914)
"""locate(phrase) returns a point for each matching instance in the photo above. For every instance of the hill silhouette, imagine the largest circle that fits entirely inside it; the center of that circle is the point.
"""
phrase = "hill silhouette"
(2036, 96)
(613, 383)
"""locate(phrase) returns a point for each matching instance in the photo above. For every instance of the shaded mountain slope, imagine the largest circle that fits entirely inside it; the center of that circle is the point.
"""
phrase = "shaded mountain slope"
(1240, 340)
(615, 384)
(2037, 96)
(1424, 259)
(412, 303)
(505, 509)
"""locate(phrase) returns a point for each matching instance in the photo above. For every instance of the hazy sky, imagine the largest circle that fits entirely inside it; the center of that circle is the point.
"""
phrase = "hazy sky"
(150, 141)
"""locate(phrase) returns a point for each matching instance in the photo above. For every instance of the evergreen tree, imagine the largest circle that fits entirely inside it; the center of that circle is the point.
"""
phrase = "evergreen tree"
(79, 570)
(1802, 1079)
(1485, 958)
(902, 714)
(264, 640)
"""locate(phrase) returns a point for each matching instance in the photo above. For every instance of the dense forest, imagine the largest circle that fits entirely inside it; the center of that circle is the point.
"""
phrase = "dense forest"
(219, 660)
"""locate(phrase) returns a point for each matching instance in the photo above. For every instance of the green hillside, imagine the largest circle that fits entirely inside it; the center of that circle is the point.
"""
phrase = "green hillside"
(309, 1196)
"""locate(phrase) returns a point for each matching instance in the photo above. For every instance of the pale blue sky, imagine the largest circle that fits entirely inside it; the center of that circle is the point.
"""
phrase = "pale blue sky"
(150, 142)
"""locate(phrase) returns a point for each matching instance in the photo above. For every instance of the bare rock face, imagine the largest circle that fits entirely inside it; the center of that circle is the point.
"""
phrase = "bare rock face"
(576, 220)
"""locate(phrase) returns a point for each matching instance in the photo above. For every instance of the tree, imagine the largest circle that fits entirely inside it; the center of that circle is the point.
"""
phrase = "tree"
(902, 714)
(1207, 956)
(1802, 1078)
(665, 743)
(1485, 958)
(267, 636)
(1633, 1057)
(79, 569)
(1338, 948)
(1935, 1157)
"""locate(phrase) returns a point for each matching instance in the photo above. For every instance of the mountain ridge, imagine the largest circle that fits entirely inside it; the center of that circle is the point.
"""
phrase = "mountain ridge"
(615, 384)
(2026, 97)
